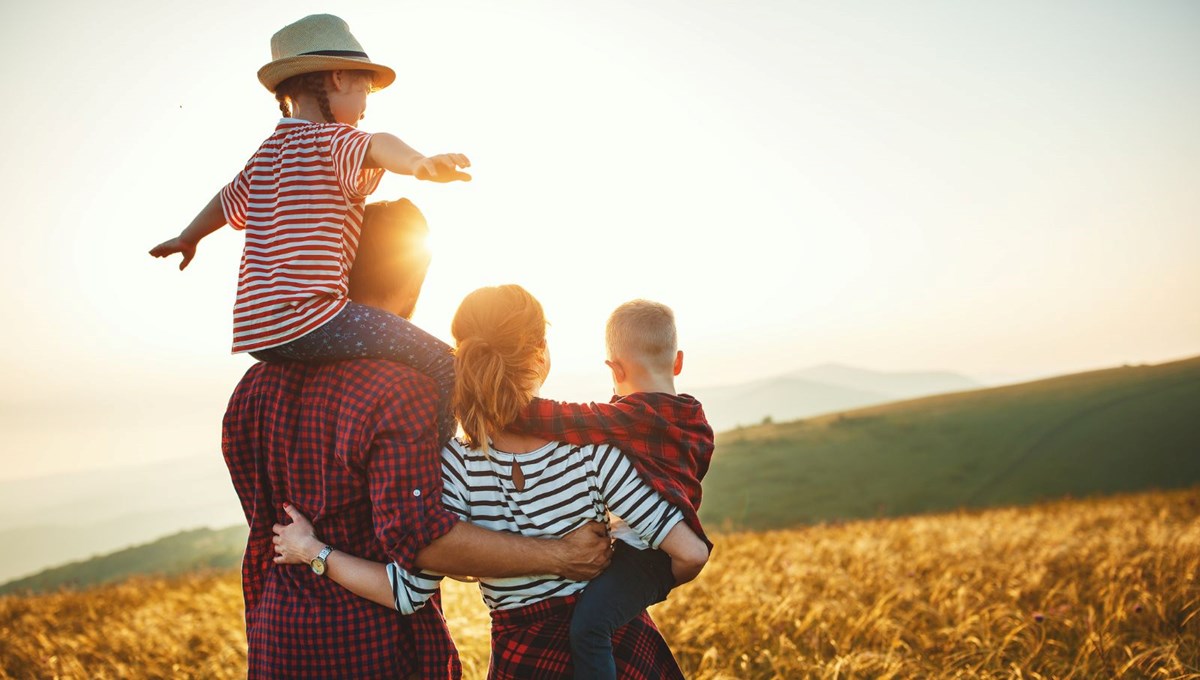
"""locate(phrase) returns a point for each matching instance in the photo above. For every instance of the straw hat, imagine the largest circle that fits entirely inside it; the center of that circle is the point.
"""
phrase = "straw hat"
(320, 42)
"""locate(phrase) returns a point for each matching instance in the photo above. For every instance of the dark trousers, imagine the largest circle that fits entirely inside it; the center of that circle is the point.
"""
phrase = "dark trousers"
(363, 332)
(633, 581)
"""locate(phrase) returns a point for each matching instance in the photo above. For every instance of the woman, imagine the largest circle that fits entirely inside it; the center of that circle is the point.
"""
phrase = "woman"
(509, 481)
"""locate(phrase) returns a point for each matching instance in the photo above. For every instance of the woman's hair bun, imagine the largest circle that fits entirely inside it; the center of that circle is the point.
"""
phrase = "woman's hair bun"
(500, 335)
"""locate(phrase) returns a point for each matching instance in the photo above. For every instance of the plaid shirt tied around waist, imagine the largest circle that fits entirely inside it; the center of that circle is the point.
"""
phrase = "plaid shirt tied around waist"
(534, 643)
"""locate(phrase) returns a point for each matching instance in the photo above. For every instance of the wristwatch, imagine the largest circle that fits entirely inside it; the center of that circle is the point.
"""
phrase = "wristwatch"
(318, 563)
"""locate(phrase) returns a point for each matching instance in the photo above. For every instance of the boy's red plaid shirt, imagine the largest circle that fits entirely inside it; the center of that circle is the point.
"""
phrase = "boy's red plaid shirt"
(666, 437)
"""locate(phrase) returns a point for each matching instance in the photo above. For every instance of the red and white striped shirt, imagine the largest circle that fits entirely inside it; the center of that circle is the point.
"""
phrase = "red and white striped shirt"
(300, 199)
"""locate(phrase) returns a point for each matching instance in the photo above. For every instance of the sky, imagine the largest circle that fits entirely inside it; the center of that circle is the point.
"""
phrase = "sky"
(1005, 190)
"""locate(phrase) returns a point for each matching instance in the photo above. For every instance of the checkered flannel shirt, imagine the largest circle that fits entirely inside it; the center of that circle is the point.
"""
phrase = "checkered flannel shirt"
(666, 437)
(535, 642)
(353, 445)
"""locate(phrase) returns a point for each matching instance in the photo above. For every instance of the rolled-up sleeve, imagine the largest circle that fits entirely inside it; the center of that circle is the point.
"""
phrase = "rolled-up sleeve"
(405, 473)
(631, 499)
(411, 591)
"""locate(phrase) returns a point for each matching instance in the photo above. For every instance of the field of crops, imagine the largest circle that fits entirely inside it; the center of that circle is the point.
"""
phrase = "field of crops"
(1106, 588)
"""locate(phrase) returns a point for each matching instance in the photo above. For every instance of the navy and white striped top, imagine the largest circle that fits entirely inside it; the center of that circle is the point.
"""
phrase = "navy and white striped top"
(565, 486)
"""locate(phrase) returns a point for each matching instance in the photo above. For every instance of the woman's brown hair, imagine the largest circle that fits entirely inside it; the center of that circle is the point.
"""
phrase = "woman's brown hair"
(499, 359)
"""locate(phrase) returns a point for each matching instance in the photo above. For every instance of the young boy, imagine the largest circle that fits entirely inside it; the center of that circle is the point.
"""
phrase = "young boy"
(668, 440)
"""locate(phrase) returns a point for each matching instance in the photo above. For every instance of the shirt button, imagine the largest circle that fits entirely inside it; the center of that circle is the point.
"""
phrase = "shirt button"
(416, 492)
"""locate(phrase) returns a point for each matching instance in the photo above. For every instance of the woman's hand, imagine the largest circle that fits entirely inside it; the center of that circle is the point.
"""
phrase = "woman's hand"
(295, 543)
(442, 168)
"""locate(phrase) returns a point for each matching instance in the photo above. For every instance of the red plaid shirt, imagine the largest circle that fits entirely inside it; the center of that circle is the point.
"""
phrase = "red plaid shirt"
(666, 437)
(535, 642)
(353, 445)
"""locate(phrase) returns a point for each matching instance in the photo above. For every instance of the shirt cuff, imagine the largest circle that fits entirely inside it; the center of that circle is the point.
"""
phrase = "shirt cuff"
(674, 518)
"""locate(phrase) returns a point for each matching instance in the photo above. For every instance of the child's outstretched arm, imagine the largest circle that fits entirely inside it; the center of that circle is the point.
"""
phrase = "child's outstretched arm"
(391, 153)
(208, 220)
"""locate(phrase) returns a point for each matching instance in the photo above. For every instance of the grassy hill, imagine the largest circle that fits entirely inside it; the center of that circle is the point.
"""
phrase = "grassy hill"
(1100, 432)
(179, 553)
(60, 518)
(817, 390)
(1123, 429)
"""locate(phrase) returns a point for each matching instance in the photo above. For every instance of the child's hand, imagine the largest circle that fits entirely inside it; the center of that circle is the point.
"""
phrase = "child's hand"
(175, 245)
(443, 168)
(295, 543)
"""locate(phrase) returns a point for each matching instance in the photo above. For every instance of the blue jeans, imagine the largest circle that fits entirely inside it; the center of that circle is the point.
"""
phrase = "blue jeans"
(363, 332)
(634, 580)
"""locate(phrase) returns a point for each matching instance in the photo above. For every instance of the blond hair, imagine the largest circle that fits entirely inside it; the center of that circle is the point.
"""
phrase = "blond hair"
(499, 359)
(643, 331)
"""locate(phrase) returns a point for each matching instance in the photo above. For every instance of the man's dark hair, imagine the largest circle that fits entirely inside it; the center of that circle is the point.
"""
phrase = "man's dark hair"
(392, 258)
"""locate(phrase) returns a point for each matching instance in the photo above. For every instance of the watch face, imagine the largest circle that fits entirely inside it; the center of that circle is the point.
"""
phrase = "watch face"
(318, 566)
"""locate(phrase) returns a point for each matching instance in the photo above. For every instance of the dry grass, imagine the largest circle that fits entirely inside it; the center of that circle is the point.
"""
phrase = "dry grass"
(1080, 589)
(187, 627)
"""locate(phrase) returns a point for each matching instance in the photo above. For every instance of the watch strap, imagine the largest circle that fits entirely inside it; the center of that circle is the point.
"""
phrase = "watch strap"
(318, 563)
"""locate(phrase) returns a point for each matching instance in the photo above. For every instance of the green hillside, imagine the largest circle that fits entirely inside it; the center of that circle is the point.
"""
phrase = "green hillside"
(1123, 429)
(179, 553)
(1100, 432)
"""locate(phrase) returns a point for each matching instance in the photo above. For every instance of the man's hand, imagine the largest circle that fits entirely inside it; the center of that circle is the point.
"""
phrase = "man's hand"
(442, 168)
(584, 553)
(176, 245)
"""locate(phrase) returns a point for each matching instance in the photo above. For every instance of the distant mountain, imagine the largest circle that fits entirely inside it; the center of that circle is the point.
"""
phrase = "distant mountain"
(179, 553)
(818, 390)
(1122, 429)
(892, 384)
(54, 519)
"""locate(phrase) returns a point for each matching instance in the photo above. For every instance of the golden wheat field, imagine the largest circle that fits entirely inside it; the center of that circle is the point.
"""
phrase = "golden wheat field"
(1106, 588)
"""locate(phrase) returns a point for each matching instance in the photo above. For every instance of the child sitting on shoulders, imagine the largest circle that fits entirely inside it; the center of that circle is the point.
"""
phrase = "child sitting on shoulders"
(300, 200)
(669, 441)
